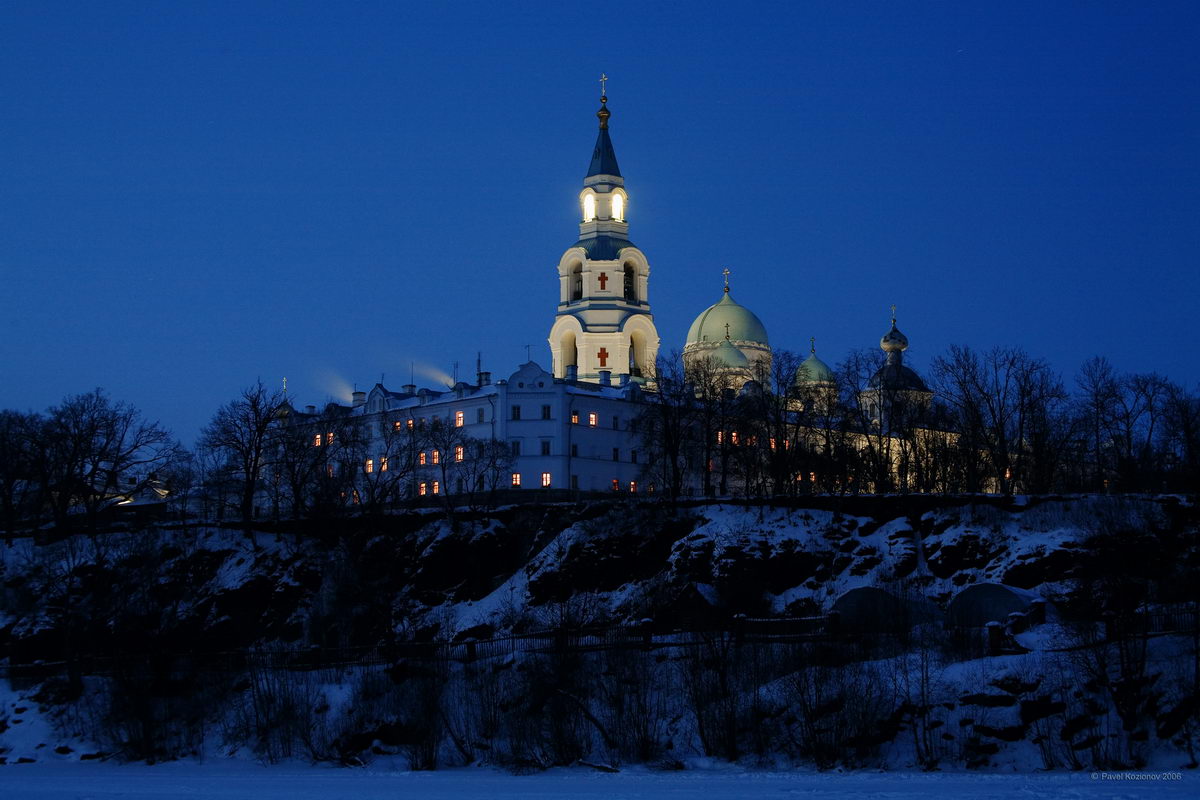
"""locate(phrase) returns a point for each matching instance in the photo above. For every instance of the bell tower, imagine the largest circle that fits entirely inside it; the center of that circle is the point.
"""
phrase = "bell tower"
(603, 321)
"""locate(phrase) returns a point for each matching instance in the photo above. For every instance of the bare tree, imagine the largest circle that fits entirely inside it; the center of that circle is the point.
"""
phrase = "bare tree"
(18, 468)
(240, 433)
(88, 445)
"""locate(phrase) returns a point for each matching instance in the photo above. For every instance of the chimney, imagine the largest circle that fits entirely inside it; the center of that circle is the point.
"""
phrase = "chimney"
(409, 388)
(572, 372)
(606, 377)
(310, 409)
(360, 399)
(485, 379)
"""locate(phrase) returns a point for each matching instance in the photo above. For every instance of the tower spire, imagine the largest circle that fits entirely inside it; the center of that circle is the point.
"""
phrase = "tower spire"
(604, 158)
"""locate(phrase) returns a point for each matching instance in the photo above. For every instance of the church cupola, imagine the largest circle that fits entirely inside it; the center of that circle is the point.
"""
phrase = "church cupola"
(603, 321)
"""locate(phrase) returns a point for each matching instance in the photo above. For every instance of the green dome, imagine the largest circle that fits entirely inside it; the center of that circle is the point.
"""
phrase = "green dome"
(729, 356)
(813, 370)
(743, 325)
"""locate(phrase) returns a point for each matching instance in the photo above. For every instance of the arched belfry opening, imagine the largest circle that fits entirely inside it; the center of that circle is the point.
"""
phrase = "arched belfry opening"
(637, 354)
(570, 353)
(576, 282)
(630, 284)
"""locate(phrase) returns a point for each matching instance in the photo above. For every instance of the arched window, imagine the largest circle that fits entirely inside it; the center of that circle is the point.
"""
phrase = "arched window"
(630, 284)
(577, 282)
(618, 206)
(589, 207)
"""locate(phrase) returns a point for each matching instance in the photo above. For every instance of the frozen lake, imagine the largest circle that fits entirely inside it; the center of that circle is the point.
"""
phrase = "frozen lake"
(237, 781)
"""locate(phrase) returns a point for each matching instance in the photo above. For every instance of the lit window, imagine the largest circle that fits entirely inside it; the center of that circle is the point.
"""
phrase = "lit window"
(633, 487)
(329, 438)
(411, 424)
(355, 498)
(421, 489)
(618, 206)
(574, 417)
(421, 458)
(458, 452)
(516, 480)
(458, 419)
(545, 480)
(593, 419)
(733, 438)
(369, 466)
(329, 470)
(720, 436)
(317, 440)
(383, 464)
(772, 442)
(436, 487)
(437, 456)
(589, 207)
(616, 485)
(396, 426)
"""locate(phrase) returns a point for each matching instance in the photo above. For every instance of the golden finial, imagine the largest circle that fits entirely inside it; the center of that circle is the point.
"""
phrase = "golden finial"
(893, 315)
(603, 113)
(726, 274)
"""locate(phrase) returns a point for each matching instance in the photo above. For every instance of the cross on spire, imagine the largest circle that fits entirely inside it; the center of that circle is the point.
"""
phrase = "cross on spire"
(725, 272)
(603, 90)
(812, 345)
(285, 387)
(893, 314)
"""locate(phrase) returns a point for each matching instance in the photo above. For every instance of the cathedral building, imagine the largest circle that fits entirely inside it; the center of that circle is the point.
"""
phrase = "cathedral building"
(575, 426)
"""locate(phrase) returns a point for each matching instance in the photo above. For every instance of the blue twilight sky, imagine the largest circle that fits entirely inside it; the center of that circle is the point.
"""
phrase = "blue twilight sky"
(193, 196)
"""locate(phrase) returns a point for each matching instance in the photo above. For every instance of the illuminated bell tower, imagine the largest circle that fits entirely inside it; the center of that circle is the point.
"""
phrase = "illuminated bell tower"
(604, 321)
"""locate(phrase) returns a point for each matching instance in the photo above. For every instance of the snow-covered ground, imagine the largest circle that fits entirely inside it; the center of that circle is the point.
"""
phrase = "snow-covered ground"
(238, 781)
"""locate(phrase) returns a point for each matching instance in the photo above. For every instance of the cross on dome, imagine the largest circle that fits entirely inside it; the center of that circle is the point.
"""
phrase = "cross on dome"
(725, 272)
(603, 90)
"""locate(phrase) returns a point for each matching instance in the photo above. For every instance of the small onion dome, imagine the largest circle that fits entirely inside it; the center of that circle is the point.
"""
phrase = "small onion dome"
(729, 357)
(894, 341)
(744, 326)
(813, 371)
